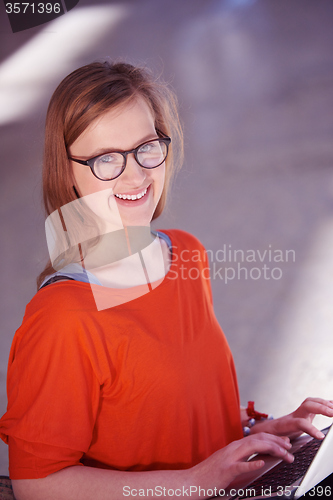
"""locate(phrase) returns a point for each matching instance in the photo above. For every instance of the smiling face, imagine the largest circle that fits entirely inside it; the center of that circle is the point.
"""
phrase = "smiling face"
(121, 129)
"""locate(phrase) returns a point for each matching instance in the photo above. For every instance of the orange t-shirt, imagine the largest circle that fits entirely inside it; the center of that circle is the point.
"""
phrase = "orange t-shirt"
(149, 384)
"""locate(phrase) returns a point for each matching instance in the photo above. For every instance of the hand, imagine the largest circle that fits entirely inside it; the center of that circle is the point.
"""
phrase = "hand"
(221, 468)
(299, 421)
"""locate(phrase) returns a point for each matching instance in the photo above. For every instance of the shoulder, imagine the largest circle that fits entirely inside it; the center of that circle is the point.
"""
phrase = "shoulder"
(56, 310)
(66, 295)
(61, 319)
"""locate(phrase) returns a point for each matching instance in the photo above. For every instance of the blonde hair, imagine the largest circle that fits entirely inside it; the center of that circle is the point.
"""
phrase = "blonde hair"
(79, 99)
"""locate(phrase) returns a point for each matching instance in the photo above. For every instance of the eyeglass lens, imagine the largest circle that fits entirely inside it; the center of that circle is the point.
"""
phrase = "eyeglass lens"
(149, 155)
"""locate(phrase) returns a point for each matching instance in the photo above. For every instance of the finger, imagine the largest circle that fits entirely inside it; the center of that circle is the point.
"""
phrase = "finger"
(315, 406)
(325, 408)
(244, 467)
(320, 400)
(304, 425)
(275, 450)
(264, 443)
(246, 446)
(283, 441)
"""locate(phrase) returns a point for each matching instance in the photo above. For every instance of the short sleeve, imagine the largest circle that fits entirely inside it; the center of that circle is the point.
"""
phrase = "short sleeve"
(53, 394)
(40, 461)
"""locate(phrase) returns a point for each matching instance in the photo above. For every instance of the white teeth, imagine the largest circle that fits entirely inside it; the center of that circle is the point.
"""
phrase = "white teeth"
(133, 196)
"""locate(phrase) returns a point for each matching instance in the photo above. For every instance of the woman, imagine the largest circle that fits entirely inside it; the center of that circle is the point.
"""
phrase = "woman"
(120, 377)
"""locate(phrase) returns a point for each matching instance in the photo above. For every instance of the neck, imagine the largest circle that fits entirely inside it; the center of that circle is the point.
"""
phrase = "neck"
(130, 258)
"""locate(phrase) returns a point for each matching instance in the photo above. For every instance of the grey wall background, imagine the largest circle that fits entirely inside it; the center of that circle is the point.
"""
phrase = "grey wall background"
(255, 87)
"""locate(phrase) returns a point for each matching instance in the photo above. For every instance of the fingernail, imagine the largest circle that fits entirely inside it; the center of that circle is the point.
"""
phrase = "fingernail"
(320, 435)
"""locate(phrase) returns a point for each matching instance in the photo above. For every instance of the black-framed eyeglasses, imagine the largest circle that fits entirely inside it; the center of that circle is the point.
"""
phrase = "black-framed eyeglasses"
(109, 166)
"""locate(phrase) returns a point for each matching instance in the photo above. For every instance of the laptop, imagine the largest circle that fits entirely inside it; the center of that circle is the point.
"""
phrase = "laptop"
(278, 479)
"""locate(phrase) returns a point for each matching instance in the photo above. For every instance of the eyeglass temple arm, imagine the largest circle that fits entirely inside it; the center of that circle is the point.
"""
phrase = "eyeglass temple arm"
(82, 162)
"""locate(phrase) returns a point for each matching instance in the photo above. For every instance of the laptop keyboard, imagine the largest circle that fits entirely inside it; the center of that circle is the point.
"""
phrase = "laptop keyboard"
(286, 474)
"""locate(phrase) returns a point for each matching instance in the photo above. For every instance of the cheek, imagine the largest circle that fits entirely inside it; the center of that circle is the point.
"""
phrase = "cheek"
(98, 197)
(86, 183)
(159, 179)
(103, 204)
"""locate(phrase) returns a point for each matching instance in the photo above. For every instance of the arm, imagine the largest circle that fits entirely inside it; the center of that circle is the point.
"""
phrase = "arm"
(218, 471)
(299, 421)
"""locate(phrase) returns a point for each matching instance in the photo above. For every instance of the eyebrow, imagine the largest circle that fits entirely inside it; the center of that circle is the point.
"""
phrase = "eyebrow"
(115, 150)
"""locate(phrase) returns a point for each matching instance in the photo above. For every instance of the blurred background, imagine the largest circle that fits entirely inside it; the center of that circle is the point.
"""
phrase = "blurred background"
(254, 80)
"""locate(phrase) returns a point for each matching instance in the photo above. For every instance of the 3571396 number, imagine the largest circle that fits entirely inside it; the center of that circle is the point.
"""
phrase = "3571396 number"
(32, 8)
(320, 491)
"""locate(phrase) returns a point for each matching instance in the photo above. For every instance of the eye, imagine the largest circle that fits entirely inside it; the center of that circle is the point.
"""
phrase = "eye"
(108, 158)
(108, 165)
(148, 147)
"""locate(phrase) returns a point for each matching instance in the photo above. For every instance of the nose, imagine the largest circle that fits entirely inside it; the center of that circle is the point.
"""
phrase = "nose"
(133, 174)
